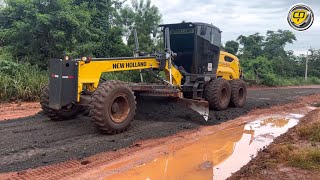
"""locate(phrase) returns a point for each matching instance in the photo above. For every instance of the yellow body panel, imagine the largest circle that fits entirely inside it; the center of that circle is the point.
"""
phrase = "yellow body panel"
(176, 75)
(228, 70)
(90, 73)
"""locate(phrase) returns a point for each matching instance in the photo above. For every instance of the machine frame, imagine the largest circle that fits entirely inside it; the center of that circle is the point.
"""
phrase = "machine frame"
(76, 83)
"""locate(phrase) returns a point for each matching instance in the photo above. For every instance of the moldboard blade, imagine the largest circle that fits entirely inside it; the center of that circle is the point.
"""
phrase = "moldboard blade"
(202, 107)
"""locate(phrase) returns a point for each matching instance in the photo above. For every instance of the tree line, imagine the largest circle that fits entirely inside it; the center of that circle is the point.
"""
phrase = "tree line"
(33, 31)
(36, 30)
(265, 59)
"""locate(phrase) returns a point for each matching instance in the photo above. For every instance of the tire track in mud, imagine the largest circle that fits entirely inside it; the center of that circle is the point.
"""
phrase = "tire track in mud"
(36, 141)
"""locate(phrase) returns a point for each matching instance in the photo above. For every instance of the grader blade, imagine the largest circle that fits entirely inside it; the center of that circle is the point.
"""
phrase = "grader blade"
(201, 107)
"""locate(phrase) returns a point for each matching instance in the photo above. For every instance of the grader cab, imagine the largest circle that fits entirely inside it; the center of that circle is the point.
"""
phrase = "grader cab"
(194, 76)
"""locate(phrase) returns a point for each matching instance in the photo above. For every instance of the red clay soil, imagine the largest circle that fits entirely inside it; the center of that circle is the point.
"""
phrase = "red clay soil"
(78, 169)
(285, 87)
(18, 110)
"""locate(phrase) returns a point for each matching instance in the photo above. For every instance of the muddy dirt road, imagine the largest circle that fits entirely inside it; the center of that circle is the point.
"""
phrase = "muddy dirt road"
(36, 141)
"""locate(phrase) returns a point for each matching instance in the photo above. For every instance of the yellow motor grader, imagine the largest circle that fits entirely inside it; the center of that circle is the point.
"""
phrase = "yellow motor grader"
(198, 74)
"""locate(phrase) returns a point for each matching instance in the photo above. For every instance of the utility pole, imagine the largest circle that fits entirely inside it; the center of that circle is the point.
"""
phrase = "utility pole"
(307, 59)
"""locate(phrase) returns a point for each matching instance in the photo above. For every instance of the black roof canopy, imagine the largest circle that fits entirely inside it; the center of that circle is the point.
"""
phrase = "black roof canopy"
(189, 24)
(206, 31)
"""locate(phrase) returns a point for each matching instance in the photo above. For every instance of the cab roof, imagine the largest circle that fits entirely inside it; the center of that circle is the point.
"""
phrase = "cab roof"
(191, 23)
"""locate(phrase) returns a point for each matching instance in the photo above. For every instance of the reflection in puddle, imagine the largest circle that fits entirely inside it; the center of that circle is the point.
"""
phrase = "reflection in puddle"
(265, 131)
(275, 122)
(214, 156)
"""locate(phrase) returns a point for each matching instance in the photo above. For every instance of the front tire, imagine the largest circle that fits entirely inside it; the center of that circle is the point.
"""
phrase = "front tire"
(218, 94)
(113, 107)
(65, 113)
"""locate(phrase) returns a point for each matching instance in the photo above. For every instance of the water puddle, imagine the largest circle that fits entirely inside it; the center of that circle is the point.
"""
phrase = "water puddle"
(213, 156)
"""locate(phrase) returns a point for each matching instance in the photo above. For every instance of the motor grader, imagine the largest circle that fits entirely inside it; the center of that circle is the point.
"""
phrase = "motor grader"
(197, 74)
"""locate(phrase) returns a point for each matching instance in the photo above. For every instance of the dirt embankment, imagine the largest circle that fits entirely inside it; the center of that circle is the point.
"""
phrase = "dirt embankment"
(294, 155)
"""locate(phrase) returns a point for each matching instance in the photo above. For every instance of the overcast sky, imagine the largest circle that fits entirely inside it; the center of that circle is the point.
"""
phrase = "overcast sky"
(236, 17)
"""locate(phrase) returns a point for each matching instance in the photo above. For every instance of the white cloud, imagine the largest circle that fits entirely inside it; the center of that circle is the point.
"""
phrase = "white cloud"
(236, 17)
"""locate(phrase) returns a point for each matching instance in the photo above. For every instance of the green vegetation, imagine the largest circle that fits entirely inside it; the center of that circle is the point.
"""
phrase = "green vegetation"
(265, 59)
(306, 159)
(300, 157)
(20, 80)
(310, 131)
(34, 31)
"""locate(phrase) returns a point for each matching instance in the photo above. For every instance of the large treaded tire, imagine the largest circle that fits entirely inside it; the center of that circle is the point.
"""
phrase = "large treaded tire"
(238, 93)
(218, 94)
(113, 107)
(56, 115)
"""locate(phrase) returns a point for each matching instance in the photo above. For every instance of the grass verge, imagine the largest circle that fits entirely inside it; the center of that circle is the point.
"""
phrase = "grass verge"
(21, 81)
(310, 132)
(306, 158)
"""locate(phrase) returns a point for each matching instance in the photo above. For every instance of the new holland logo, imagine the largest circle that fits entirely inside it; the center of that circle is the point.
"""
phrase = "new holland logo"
(300, 17)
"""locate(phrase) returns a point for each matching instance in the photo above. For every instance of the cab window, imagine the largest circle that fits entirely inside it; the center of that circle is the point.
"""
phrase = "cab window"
(228, 59)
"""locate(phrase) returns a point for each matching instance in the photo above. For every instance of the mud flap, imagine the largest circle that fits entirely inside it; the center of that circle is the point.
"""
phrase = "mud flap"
(201, 107)
(63, 83)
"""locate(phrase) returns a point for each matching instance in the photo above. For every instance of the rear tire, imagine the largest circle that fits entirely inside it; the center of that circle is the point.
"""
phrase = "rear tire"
(238, 93)
(56, 115)
(113, 107)
(218, 94)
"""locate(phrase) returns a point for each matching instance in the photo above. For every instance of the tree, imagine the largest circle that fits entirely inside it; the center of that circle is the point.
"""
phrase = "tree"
(252, 45)
(34, 31)
(37, 30)
(105, 25)
(261, 67)
(232, 47)
(126, 20)
(275, 43)
(143, 17)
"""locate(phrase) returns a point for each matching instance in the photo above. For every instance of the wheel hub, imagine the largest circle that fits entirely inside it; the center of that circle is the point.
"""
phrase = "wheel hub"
(115, 108)
(120, 108)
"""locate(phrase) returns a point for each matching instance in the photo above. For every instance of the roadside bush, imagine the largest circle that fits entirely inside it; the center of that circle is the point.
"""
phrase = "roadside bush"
(270, 80)
(306, 159)
(20, 80)
(314, 80)
(263, 70)
(310, 132)
(274, 80)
